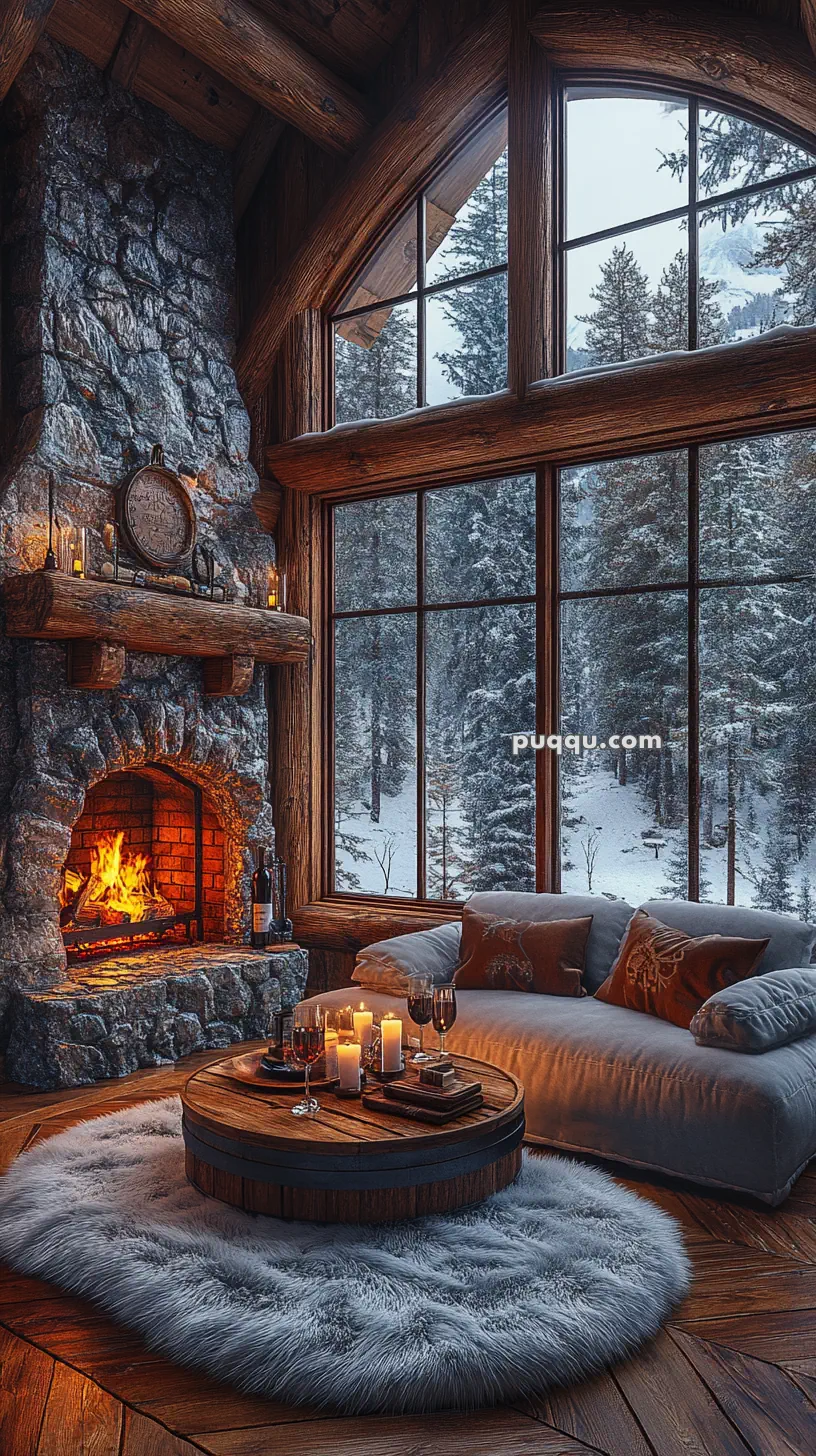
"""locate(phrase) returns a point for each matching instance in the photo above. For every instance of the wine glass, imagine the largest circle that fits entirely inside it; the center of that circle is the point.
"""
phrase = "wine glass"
(444, 1012)
(307, 1045)
(420, 1008)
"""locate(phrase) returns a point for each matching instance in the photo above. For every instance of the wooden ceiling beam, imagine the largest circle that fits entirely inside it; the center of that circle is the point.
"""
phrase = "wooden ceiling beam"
(22, 22)
(741, 57)
(263, 61)
(124, 63)
(755, 385)
(442, 106)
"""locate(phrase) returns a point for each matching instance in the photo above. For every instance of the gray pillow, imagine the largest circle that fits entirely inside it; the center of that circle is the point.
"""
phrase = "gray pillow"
(760, 1013)
(609, 921)
(387, 964)
(791, 941)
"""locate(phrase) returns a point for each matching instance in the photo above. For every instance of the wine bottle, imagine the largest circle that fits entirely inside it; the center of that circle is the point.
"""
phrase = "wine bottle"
(262, 907)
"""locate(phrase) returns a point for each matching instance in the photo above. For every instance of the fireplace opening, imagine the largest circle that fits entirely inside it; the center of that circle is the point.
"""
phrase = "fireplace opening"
(146, 865)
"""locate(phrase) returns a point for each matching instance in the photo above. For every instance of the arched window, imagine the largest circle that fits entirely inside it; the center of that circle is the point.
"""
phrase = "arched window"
(682, 225)
(439, 282)
(679, 608)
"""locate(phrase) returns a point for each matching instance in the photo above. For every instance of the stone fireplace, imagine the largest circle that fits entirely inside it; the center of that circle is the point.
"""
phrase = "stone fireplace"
(117, 305)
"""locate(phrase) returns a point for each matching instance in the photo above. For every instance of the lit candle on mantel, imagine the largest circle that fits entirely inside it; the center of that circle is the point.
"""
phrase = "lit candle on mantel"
(331, 1042)
(391, 1042)
(363, 1026)
(348, 1065)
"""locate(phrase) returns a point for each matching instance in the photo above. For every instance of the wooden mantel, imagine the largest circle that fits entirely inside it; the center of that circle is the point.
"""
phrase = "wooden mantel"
(101, 620)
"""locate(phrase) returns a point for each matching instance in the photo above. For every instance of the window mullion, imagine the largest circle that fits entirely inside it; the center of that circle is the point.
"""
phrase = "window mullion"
(422, 888)
(693, 671)
(693, 228)
(420, 248)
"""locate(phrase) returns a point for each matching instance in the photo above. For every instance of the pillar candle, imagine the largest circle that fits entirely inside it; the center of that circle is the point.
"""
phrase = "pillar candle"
(363, 1024)
(391, 1036)
(331, 1042)
(348, 1064)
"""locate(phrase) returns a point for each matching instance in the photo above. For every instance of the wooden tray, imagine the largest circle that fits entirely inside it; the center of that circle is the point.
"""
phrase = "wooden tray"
(249, 1068)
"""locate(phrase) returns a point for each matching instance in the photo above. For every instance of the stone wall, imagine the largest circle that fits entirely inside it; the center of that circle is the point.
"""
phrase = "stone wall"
(118, 290)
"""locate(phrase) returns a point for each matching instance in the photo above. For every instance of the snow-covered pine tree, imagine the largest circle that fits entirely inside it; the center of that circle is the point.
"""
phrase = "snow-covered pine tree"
(619, 326)
(444, 859)
(773, 888)
(478, 311)
(669, 326)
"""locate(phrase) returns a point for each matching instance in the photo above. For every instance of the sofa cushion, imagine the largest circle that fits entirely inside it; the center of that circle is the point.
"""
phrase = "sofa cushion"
(767, 1011)
(604, 1080)
(387, 964)
(542, 956)
(791, 941)
(663, 972)
(609, 921)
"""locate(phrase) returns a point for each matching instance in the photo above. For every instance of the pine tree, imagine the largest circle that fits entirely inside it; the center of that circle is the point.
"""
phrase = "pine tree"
(478, 311)
(619, 327)
(773, 888)
(805, 907)
(378, 381)
(676, 887)
(669, 327)
(444, 860)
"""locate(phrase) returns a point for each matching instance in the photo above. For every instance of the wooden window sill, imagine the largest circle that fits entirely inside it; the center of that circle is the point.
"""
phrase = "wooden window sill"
(348, 925)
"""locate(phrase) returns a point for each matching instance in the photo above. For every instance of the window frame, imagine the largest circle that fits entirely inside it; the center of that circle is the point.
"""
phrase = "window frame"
(418, 295)
(548, 596)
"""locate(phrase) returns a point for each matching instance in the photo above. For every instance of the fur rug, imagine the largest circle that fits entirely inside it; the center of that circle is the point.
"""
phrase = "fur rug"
(550, 1280)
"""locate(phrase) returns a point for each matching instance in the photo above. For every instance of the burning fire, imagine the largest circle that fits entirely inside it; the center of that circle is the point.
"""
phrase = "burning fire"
(119, 887)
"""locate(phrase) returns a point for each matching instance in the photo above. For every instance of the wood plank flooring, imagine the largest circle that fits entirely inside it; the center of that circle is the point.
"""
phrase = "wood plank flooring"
(733, 1374)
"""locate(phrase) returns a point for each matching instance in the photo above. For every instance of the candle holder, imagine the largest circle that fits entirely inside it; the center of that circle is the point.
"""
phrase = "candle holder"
(275, 588)
(72, 549)
(50, 563)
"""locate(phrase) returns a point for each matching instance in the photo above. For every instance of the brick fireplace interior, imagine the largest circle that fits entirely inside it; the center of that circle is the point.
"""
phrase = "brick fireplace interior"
(156, 821)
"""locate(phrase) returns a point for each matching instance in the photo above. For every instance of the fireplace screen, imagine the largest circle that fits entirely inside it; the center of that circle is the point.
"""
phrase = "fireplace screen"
(136, 870)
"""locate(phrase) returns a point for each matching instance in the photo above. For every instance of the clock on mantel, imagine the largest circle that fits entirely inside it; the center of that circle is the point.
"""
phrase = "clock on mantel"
(156, 515)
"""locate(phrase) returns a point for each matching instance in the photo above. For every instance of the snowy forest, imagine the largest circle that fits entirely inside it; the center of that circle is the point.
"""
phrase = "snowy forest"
(624, 524)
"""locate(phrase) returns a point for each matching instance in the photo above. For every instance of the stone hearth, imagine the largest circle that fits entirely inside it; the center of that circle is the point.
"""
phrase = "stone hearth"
(148, 1008)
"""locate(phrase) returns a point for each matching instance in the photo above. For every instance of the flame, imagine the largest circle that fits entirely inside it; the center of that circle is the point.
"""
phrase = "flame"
(120, 882)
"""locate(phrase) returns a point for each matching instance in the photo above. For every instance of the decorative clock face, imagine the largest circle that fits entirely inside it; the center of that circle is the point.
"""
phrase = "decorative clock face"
(157, 517)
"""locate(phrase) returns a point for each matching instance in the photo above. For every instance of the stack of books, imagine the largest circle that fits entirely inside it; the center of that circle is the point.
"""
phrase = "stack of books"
(410, 1097)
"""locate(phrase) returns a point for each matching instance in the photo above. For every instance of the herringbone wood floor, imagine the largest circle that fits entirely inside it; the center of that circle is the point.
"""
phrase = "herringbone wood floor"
(734, 1372)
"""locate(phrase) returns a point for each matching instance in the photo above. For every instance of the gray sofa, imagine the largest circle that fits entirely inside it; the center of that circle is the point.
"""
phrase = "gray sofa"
(612, 1082)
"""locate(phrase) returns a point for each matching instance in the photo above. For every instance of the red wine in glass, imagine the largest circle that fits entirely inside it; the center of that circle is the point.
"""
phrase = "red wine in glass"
(420, 1009)
(444, 1012)
(308, 1041)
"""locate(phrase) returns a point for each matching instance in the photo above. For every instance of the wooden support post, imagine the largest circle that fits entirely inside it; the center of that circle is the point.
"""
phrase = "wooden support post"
(95, 664)
(228, 677)
(530, 211)
(296, 748)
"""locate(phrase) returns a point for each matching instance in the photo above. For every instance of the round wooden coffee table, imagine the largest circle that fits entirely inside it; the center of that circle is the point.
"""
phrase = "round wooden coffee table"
(348, 1164)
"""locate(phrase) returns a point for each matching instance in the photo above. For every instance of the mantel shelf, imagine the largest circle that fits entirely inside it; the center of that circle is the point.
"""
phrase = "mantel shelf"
(104, 619)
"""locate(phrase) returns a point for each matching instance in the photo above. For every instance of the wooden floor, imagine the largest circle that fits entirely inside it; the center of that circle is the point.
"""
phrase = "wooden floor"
(734, 1372)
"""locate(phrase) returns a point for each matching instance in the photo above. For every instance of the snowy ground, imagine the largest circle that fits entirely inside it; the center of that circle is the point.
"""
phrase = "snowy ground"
(624, 866)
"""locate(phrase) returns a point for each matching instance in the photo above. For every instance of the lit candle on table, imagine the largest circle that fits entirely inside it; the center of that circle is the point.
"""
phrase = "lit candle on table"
(391, 1041)
(363, 1026)
(331, 1042)
(348, 1065)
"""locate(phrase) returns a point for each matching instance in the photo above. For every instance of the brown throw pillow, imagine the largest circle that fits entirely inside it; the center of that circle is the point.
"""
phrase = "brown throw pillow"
(545, 956)
(665, 973)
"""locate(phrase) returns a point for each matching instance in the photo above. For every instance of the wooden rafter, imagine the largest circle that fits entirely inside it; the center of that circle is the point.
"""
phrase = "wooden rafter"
(124, 63)
(750, 60)
(22, 22)
(755, 384)
(262, 60)
(442, 106)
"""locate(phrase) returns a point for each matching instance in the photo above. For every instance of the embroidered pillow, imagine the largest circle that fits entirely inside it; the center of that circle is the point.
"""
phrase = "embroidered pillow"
(665, 973)
(543, 956)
